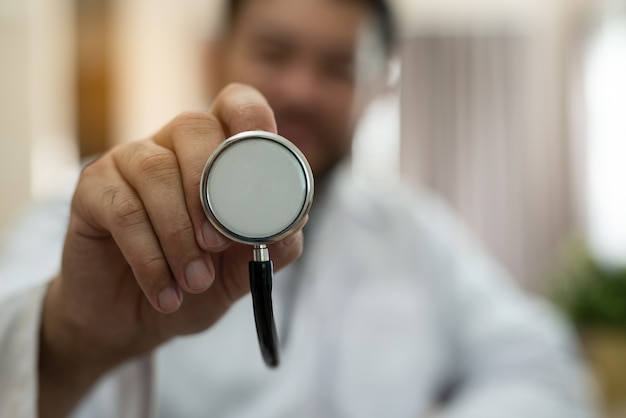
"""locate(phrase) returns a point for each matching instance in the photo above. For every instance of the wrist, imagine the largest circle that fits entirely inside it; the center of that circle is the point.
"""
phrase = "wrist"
(68, 367)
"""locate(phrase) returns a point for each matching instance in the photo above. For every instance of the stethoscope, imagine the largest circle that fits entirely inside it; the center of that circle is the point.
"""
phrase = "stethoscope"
(256, 188)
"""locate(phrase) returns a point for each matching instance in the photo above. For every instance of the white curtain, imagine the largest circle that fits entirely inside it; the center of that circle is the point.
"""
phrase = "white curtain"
(471, 129)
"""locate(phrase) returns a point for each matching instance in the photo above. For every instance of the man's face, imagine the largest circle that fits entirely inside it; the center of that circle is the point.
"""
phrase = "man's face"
(301, 55)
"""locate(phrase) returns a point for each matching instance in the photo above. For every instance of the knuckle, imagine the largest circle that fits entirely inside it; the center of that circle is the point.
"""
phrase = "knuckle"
(109, 194)
(157, 163)
(194, 124)
(150, 265)
(143, 158)
(181, 231)
(128, 211)
(96, 168)
(89, 192)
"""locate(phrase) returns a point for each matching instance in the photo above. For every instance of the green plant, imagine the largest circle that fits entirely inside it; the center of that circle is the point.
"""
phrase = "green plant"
(590, 294)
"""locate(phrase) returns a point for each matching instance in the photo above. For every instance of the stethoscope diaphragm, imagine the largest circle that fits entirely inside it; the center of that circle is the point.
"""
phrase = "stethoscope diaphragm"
(256, 188)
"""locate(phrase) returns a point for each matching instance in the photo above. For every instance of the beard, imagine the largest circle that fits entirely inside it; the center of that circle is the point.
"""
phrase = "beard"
(323, 143)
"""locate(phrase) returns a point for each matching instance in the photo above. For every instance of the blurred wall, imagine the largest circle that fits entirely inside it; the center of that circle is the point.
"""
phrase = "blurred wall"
(157, 62)
(155, 72)
(36, 100)
(16, 138)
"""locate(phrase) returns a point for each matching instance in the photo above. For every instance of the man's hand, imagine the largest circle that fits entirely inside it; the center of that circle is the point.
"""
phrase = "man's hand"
(141, 263)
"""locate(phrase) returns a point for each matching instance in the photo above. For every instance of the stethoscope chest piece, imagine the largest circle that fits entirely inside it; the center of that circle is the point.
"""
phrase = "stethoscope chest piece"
(256, 188)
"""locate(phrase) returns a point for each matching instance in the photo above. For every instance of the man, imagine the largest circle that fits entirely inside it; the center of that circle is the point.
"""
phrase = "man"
(390, 311)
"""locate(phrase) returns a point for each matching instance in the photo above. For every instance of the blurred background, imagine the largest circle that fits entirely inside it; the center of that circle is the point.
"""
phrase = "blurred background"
(513, 110)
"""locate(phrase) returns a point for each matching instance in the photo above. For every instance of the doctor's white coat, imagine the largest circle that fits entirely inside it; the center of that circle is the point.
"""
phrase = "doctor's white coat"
(391, 310)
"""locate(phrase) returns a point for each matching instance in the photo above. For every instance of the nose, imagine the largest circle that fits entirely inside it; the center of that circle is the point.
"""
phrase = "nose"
(299, 85)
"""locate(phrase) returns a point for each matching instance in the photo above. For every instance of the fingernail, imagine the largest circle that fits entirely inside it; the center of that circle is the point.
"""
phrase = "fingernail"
(169, 300)
(212, 238)
(197, 275)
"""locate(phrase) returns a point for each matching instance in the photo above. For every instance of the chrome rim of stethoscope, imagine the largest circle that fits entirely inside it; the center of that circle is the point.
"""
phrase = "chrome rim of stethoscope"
(207, 204)
(260, 268)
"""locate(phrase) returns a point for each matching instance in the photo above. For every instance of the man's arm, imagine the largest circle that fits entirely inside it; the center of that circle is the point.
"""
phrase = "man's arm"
(515, 357)
(141, 264)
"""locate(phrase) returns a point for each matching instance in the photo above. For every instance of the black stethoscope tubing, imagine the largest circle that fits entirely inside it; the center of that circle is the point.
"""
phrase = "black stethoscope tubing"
(260, 268)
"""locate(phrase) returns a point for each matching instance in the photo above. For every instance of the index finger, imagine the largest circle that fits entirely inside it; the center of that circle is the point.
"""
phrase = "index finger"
(243, 108)
(194, 136)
